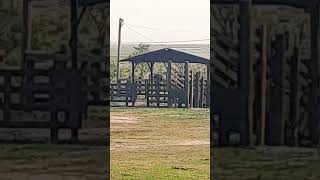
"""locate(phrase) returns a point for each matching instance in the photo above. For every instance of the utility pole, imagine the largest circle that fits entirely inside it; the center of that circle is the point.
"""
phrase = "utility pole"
(119, 42)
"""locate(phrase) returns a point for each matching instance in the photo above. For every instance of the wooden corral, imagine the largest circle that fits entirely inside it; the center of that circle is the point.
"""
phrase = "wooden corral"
(264, 72)
(58, 86)
(178, 88)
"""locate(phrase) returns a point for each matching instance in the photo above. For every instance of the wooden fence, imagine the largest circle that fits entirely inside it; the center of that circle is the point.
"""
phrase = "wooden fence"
(159, 93)
(50, 88)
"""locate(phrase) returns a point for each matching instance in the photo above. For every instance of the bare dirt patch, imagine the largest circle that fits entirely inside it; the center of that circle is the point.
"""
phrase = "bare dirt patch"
(120, 118)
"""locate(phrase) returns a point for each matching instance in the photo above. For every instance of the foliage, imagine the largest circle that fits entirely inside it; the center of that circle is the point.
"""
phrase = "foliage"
(141, 49)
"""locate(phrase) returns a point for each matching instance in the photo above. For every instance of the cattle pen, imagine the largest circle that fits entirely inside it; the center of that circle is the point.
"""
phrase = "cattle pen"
(179, 87)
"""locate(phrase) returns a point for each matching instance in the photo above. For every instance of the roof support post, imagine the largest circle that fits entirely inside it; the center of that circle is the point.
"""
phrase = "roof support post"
(186, 83)
(74, 33)
(133, 67)
(246, 72)
(151, 71)
(26, 32)
(169, 84)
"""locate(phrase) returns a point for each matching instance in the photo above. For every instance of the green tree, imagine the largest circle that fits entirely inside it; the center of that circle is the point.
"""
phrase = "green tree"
(141, 49)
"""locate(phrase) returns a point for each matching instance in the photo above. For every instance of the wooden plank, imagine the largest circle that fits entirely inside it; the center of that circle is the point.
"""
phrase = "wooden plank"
(223, 55)
(225, 69)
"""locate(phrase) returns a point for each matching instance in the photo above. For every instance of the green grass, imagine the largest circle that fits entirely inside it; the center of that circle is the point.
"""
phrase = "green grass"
(154, 143)
(266, 163)
(61, 160)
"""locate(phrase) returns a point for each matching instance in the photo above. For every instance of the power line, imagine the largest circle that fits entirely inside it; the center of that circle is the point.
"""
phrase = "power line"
(183, 41)
(157, 29)
(150, 41)
(138, 33)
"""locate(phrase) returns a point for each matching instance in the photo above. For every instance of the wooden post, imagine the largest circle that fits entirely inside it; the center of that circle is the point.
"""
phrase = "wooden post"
(169, 84)
(7, 100)
(133, 84)
(53, 126)
(26, 32)
(208, 85)
(191, 90)
(74, 34)
(263, 84)
(314, 93)
(151, 72)
(119, 45)
(147, 92)
(276, 122)
(132, 72)
(295, 102)
(201, 92)
(157, 86)
(186, 83)
(246, 73)
(74, 135)
(196, 88)
(127, 93)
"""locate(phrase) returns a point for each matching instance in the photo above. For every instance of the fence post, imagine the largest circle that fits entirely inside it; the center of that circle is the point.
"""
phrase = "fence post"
(196, 96)
(147, 92)
(157, 89)
(7, 101)
(53, 126)
(127, 93)
(186, 83)
(191, 90)
(208, 86)
(169, 84)
(201, 92)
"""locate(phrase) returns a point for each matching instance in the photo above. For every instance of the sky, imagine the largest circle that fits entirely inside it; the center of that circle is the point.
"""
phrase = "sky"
(160, 20)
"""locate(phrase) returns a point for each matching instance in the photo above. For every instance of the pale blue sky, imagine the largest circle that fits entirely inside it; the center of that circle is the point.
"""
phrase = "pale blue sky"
(165, 20)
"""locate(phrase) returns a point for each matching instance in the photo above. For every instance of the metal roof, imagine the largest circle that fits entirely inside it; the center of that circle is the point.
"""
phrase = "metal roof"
(164, 55)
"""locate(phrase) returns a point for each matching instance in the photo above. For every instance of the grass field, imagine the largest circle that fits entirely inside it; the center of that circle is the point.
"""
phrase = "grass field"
(26, 154)
(149, 144)
(266, 163)
(160, 143)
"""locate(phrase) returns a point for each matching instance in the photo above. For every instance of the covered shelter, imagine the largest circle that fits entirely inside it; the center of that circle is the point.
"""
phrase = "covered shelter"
(165, 55)
(180, 88)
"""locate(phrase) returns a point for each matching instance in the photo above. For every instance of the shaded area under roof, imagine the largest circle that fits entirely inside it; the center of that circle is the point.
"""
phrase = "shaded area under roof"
(164, 55)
